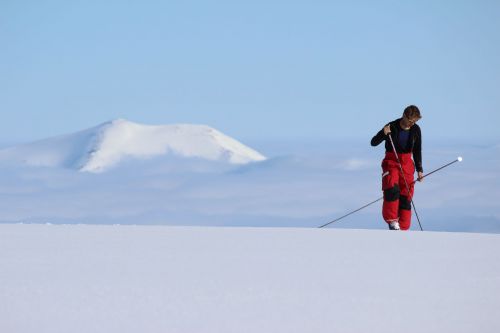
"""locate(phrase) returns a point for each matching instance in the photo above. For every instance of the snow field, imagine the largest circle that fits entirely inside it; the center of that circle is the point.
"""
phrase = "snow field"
(180, 279)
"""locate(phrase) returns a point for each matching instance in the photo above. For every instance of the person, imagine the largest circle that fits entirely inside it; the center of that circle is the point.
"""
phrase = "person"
(407, 139)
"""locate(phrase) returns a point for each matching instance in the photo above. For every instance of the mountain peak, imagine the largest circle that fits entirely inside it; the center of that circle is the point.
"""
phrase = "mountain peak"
(102, 147)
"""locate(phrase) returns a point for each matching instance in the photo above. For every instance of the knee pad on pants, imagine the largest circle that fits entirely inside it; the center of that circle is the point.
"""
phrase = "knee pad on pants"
(392, 194)
(404, 203)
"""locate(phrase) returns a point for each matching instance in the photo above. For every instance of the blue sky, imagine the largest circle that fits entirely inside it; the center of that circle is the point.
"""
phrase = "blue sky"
(253, 69)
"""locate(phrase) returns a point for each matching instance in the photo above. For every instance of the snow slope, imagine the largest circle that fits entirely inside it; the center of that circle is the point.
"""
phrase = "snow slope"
(177, 279)
(100, 148)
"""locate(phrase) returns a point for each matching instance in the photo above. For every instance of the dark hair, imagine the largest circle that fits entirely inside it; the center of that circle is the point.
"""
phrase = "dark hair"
(411, 112)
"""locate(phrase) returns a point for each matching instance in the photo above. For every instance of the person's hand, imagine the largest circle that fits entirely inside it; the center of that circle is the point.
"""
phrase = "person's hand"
(387, 129)
(420, 176)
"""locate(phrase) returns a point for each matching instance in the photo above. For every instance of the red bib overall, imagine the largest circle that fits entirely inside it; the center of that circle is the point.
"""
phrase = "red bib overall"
(397, 200)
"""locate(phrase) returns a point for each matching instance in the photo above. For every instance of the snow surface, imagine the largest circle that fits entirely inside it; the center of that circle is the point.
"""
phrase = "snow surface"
(105, 146)
(180, 279)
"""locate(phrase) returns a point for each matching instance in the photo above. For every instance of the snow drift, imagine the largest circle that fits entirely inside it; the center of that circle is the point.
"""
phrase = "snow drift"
(105, 146)
(163, 279)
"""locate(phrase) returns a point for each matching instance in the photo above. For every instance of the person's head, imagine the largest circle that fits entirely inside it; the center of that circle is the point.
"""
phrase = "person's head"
(411, 115)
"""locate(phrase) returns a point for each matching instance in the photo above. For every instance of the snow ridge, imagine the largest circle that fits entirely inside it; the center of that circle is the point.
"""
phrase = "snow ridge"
(102, 147)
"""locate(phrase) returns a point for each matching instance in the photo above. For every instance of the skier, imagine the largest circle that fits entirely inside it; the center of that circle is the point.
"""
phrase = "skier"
(407, 139)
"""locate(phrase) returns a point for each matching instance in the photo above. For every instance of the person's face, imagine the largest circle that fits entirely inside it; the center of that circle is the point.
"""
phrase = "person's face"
(409, 122)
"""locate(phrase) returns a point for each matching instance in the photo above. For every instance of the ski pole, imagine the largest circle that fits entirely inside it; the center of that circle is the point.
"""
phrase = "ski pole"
(354, 211)
(459, 159)
(406, 183)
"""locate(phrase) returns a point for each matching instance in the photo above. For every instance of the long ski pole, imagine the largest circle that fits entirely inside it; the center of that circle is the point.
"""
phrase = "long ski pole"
(406, 183)
(459, 159)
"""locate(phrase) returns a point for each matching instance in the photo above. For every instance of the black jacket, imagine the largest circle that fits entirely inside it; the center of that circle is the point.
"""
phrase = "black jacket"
(414, 142)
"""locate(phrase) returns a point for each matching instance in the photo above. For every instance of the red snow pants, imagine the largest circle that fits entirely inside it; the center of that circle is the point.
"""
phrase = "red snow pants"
(397, 200)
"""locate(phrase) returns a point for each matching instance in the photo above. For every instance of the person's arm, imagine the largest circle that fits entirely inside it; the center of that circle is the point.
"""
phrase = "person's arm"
(380, 136)
(417, 153)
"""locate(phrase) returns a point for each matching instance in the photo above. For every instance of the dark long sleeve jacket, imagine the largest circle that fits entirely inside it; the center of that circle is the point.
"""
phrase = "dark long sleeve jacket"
(414, 142)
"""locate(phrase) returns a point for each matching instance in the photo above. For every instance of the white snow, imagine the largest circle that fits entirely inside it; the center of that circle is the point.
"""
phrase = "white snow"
(178, 279)
(105, 146)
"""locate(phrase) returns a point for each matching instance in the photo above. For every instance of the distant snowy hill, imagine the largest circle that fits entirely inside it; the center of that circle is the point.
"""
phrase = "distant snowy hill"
(102, 147)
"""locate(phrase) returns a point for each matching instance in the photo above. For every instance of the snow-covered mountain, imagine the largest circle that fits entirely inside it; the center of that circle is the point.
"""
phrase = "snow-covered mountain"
(99, 148)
